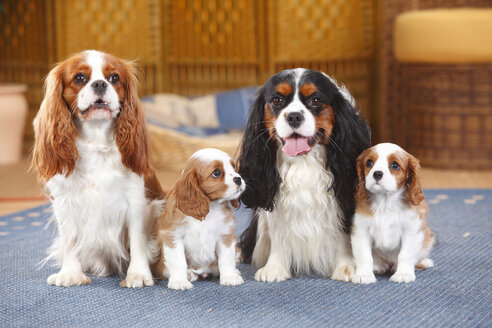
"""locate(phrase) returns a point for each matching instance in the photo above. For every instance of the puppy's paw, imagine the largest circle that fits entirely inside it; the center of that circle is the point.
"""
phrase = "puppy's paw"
(424, 264)
(179, 284)
(403, 277)
(272, 274)
(364, 278)
(343, 273)
(231, 280)
(136, 280)
(67, 279)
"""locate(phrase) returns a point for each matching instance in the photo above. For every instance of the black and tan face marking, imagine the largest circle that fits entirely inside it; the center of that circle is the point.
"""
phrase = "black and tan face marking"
(298, 102)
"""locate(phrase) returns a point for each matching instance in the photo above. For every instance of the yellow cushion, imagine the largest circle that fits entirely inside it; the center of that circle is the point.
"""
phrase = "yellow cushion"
(444, 36)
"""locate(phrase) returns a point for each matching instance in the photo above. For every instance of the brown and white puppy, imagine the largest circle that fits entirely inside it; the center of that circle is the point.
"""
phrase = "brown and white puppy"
(197, 228)
(389, 227)
(91, 152)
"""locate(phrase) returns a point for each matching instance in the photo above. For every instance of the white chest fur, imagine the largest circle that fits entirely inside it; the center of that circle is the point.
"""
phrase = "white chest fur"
(94, 203)
(200, 238)
(306, 219)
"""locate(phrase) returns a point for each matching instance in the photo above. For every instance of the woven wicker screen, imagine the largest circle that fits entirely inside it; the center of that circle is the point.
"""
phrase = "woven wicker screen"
(125, 28)
(210, 46)
(335, 36)
(24, 56)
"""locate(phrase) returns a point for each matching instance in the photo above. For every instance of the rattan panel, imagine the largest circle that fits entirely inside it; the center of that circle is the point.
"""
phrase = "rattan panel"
(24, 55)
(336, 37)
(210, 45)
(449, 110)
(125, 28)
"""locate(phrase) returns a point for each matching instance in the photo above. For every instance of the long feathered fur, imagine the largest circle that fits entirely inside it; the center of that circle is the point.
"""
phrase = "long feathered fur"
(258, 166)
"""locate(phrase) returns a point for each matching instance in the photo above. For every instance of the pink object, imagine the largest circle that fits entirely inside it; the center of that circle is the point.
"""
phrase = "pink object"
(296, 146)
(13, 111)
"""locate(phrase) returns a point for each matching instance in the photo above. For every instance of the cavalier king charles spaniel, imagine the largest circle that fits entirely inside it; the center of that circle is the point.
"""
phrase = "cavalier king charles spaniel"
(298, 160)
(389, 228)
(197, 228)
(91, 151)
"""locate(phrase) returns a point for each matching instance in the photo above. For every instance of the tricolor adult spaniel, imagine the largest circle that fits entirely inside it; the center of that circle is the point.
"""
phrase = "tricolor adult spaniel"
(298, 160)
(196, 231)
(92, 153)
(389, 228)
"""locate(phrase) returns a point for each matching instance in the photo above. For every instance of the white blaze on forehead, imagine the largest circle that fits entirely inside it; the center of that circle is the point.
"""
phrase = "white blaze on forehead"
(211, 154)
(95, 60)
(387, 148)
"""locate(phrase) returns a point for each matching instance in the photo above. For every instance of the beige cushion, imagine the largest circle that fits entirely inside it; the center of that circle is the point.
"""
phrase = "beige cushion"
(444, 36)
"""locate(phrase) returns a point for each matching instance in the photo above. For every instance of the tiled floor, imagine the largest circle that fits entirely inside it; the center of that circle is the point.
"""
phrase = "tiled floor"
(19, 189)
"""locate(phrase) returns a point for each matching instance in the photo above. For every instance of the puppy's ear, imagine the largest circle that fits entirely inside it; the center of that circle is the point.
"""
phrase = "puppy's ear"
(360, 189)
(235, 203)
(131, 131)
(190, 198)
(55, 133)
(413, 181)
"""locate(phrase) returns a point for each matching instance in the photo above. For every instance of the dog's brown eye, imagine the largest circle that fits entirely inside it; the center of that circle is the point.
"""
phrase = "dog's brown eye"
(369, 163)
(395, 166)
(277, 101)
(114, 78)
(314, 102)
(217, 173)
(80, 79)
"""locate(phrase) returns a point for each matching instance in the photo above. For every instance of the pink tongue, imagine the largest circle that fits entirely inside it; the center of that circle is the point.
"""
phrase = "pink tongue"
(295, 146)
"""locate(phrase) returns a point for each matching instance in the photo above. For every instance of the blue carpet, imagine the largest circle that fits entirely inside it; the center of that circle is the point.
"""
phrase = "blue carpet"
(456, 292)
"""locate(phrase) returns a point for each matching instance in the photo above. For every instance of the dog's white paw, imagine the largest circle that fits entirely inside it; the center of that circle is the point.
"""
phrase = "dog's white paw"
(343, 273)
(403, 277)
(67, 279)
(136, 280)
(364, 278)
(179, 284)
(231, 280)
(272, 274)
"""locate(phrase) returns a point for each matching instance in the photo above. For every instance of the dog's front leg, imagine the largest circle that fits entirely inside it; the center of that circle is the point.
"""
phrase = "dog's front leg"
(138, 274)
(175, 262)
(229, 275)
(71, 272)
(277, 267)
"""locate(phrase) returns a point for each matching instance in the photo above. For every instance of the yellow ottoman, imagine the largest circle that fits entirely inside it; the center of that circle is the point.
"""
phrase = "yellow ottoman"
(446, 86)
(444, 36)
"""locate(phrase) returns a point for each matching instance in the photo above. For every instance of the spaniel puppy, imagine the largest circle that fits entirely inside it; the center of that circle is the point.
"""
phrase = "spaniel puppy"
(298, 160)
(389, 227)
(92, 153)
(197, 228)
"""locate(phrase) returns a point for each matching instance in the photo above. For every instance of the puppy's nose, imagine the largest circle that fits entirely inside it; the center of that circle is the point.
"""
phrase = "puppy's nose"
(237, 180)
(99, 87)
(295, 119)
(378, 175)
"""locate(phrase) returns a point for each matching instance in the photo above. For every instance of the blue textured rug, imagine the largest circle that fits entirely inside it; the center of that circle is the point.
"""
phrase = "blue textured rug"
(456, 292)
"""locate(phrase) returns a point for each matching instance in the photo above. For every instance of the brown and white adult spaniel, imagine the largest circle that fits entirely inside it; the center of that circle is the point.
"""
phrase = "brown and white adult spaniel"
(91, 151)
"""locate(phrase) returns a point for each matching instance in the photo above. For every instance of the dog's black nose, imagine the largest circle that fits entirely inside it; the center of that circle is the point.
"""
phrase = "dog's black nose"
(99, 87)
(295, 119)
(378, 175)
(237, 180)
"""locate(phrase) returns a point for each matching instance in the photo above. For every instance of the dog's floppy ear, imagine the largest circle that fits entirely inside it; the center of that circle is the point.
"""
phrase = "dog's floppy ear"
(131, 130)
(257, 160)
(54, 150)
(350, 136)
(190, 198)
(413, 181)
(360, 189)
